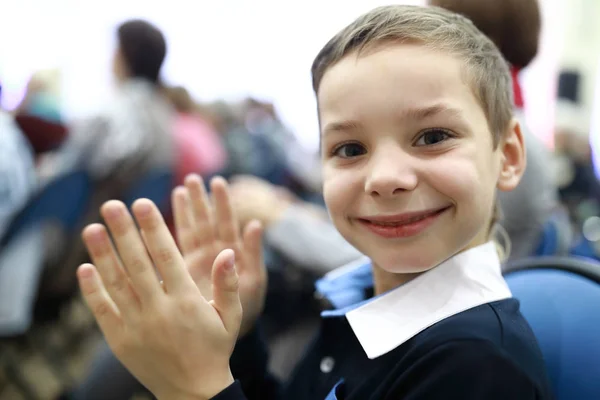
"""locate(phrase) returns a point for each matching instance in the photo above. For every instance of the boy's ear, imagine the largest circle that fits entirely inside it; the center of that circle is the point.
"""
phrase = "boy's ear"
(513, 157)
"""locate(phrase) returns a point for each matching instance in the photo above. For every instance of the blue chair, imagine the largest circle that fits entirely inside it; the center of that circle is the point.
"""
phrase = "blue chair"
(62, 201)
(560, 298)
(584, 248)
(556, 237)
(155, 186)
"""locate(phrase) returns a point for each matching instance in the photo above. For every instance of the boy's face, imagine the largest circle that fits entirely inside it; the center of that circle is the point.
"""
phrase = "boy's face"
(409, 168)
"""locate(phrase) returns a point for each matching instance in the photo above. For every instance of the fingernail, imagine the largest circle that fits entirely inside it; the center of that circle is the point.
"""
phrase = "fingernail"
(117, 211)
(230, 265)
(94, 233)
(85, 272)
(113, 210)
(143, 209)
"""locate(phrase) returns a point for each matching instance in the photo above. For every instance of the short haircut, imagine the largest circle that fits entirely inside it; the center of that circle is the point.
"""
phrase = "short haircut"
(143, 48)
(485, 68)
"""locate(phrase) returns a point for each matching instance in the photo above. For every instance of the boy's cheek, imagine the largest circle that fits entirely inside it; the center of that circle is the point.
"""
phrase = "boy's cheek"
(341, 189)
(458, 176)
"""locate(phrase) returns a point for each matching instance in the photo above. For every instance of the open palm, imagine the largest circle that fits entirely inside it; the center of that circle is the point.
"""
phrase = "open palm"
(206, 227)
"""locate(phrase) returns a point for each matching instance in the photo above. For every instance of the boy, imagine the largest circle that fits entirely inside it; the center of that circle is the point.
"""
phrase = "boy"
(417, 133)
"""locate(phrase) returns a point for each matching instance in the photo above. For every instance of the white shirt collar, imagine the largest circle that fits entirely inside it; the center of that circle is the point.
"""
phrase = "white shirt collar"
(465, 281)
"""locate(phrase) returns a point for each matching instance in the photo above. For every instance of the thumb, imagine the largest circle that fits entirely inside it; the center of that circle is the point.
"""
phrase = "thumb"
(225, 284)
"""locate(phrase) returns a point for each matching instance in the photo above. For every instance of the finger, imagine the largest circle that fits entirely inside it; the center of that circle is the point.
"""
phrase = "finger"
(245, 179)
(201, 209)
(226, 223)
(132, 250)
(114, 278)
(100, 304)
(226, 298)
(253, 248)
(239, 178)
(184, 223)
(162, 247)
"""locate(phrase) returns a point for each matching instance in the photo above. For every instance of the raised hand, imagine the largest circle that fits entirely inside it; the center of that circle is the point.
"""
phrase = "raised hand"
(173, 339)
(204, 228)
(254, 198)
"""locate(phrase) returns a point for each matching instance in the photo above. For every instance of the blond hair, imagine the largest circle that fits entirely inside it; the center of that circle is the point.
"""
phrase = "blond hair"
(486, 70)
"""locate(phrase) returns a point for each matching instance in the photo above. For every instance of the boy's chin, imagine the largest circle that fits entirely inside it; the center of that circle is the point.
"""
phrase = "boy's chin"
(406, 263)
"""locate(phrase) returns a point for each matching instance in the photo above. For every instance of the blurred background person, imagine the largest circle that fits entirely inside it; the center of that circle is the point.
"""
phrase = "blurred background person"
(118, 146)
(199, 147)
(297, 229)
(133, 133)
(17, 170)
(39, 115)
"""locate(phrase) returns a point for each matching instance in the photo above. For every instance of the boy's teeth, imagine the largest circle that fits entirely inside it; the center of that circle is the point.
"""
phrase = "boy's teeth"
(406, 221)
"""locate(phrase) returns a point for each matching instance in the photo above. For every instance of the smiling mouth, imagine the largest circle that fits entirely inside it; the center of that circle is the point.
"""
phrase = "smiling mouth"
(401, 225)
(402, 219)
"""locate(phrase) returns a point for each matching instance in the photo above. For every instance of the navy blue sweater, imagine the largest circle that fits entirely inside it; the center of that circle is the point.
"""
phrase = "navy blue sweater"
(485, 353)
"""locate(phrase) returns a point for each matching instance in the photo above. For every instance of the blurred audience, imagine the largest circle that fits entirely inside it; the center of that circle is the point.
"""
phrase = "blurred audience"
(199, 147)
(303, 167)
(133, 133)
(579, 186)
(299, 230)
(17, 170)
(120, 145)
(253, 154)
(38, 114)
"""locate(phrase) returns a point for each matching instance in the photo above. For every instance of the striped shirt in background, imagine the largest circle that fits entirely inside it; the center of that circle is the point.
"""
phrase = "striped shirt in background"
(134, 130)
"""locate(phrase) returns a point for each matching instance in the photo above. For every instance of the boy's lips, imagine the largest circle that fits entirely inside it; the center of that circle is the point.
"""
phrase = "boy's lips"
(404, 217)
(401, 225)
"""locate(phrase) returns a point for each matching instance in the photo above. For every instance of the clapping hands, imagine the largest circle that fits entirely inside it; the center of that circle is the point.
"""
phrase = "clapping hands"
(176, 335)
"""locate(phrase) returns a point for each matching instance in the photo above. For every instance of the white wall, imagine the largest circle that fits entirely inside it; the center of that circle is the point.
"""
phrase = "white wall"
(581, 51)
(226, 48)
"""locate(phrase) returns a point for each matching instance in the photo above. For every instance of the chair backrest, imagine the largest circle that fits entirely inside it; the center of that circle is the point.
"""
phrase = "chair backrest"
(549, 242)
(556, 237)
(63, 200)
(560, 298)
(155, 186)
(584, 248)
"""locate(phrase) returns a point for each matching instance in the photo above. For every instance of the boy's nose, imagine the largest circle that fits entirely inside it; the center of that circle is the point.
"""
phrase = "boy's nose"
(390, 173)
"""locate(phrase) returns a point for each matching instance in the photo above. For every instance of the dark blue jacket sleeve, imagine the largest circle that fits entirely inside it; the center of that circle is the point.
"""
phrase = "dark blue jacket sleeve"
(232, 392)
(249, 367)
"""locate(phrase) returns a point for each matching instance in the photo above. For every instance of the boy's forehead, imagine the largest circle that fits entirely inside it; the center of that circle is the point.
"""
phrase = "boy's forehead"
(400, 64)
(411, 80)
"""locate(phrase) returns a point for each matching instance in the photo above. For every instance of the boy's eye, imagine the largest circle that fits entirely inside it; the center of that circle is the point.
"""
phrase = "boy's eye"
(349, 150)
(432, 136)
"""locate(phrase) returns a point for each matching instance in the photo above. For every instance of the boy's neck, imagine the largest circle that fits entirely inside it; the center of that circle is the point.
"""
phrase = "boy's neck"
(385, 281)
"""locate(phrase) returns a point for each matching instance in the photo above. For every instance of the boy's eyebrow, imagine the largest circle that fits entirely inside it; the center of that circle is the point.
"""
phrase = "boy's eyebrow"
(341, 126)
(430, 111)
(419, 113)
